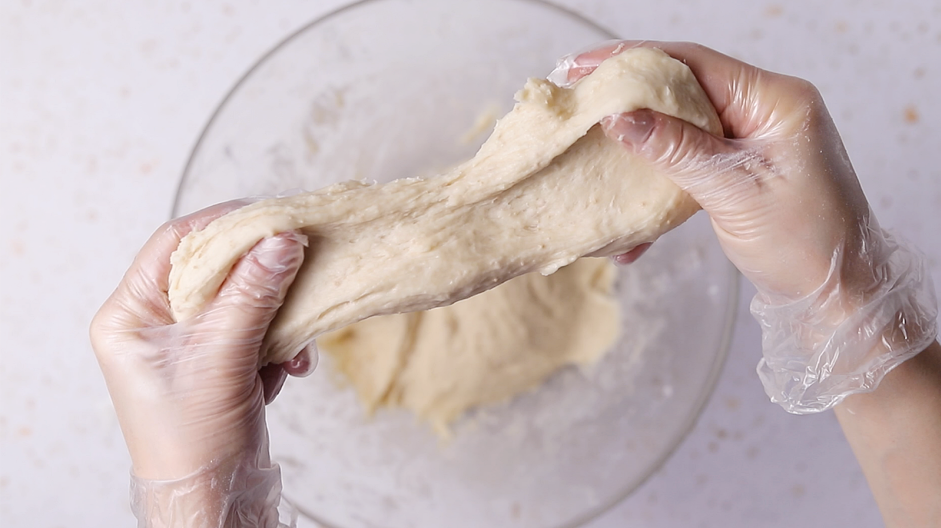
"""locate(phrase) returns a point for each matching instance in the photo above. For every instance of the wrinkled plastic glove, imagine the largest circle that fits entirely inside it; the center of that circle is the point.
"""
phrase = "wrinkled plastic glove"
(189, 397)
(840, 301)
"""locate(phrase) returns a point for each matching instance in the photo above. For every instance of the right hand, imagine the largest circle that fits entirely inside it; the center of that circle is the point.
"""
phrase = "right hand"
(840, 301)
(780, 189)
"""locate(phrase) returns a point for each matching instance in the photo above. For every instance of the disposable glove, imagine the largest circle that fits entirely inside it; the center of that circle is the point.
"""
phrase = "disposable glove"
(189, 397)
(840, 300)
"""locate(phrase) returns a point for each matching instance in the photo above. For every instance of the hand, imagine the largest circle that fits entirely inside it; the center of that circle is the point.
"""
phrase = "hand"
(188, 395)
(839, 301)
(780, 189)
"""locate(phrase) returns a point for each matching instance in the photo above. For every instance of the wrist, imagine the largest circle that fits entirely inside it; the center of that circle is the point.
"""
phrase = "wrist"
(183, 444)
(243, 489)
(843, 338)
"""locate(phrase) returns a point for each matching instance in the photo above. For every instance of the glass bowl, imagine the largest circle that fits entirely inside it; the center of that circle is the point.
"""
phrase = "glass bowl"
(384, 89)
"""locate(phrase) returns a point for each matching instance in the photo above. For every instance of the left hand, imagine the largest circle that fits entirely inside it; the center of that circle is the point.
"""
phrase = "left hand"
(189, 394)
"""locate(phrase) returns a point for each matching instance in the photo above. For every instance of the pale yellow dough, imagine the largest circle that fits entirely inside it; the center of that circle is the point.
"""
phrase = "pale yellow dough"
(481, 350)
(546, 188)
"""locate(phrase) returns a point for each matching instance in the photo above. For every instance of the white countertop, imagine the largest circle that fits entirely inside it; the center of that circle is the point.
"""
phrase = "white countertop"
(101, 101)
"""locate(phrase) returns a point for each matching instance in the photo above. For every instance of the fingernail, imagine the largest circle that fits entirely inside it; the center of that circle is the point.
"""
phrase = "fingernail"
(278, 252)
(631, 256)
(582, 59)
(632, 129)
(304, 363)
(559, 76)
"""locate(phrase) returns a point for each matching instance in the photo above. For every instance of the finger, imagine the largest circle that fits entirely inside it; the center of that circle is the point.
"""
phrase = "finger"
(716, 172)
(747, 99)
(574, 66)
(632, 255)
(273, 375)
(142, 293)
(304, 363)
(732, 86)
(254, 290)
(272, 380)
(153, 261)
(587, 62)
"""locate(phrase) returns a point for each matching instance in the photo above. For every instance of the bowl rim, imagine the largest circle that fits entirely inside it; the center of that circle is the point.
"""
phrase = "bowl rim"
(190, 159)
(733, 286)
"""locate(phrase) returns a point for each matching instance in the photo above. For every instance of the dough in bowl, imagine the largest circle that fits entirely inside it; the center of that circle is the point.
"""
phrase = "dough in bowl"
(546, 188)
(482, 350)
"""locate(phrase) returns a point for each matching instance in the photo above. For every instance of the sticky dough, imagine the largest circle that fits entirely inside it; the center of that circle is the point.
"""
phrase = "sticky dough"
(546, 188)
(481, 350)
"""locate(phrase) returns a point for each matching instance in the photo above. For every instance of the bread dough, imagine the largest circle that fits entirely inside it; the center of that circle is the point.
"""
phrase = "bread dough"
(546, 188)
(481, 350)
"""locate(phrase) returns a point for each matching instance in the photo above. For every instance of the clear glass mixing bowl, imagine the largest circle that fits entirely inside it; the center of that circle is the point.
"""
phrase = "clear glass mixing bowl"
(384, 89)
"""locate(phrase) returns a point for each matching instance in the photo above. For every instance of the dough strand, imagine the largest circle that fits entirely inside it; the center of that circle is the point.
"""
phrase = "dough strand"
(546, 188)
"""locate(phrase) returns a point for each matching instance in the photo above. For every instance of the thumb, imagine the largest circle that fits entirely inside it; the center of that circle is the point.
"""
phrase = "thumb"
(717, 172)
(255, 288)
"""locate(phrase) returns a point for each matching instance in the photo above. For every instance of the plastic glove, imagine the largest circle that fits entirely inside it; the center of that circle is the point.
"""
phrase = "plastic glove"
(188, 395)
(840, 301)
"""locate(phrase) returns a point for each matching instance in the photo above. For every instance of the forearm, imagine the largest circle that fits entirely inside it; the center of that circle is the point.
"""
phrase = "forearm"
(895, 432)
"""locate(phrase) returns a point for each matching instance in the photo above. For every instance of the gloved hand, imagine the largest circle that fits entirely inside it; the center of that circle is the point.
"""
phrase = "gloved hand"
(840, 301)
(188, 395)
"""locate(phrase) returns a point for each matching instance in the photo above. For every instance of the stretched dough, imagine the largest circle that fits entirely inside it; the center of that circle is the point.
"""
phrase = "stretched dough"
(546, 188)
(481, 350)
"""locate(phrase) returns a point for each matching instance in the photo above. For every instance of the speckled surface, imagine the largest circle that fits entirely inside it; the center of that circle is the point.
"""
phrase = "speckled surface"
(101, 101)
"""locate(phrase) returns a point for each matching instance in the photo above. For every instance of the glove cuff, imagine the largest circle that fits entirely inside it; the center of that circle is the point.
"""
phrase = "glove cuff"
(842, 340)
(226, 494)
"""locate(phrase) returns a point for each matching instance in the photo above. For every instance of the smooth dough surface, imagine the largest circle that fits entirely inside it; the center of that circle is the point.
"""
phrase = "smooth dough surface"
(481, 350)
(546, 188)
